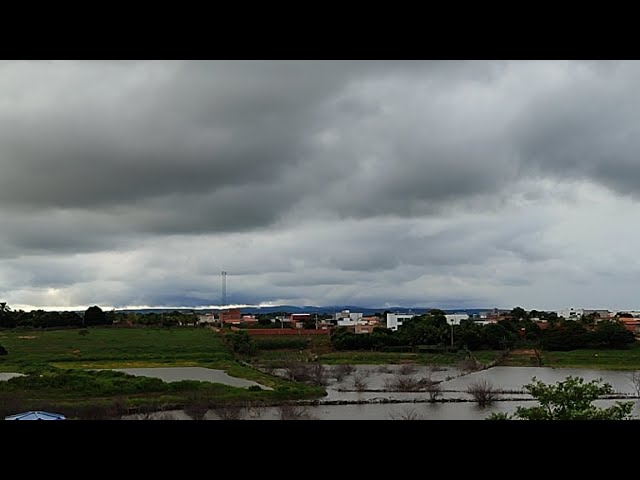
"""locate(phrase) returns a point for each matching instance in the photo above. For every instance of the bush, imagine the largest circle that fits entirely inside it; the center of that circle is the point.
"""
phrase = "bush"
(241, 343)
(297, 371)
(483, 392)
(3, 351)
(407, 369)
(611, 335)
(103, 382)
(571, 399)
(341, 371)
(294, 412)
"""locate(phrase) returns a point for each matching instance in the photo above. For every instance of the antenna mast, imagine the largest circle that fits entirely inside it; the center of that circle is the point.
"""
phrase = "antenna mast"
(224, 289)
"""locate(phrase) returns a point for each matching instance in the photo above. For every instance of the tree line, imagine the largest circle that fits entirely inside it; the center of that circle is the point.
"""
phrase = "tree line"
(93, 316)
(517, 330)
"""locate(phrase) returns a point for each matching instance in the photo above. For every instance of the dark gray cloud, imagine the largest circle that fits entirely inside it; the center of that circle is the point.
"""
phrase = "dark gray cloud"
(315, 182)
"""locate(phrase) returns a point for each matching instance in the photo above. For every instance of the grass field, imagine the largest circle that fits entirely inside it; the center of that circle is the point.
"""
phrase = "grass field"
(110, 347)
(56, 354)
(596, 359)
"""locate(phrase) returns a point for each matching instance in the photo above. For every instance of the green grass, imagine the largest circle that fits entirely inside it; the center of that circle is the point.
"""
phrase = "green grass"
(628, 359)
(62, 357)
(376, 358)
(110, 347)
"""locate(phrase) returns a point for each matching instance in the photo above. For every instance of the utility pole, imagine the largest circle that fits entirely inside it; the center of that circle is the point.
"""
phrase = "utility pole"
(224, 289)
(451, 333)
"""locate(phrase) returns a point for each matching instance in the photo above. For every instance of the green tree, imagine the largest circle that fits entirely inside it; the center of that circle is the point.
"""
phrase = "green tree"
(242, 343)
(437, 313)
(589, 320)
(571, 399)
(470, 335)
(519, 313)
(611, 334)
(498, 337)
(94, 316)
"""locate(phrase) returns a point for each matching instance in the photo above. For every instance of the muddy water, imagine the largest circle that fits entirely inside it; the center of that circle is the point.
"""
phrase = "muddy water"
(409, 405)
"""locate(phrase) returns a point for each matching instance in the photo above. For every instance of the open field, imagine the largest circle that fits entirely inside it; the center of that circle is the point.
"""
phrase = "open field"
(107, 347)
(597, 359)
(61, 356)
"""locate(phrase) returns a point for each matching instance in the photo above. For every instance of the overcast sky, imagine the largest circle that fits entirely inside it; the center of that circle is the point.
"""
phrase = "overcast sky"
(447, 184)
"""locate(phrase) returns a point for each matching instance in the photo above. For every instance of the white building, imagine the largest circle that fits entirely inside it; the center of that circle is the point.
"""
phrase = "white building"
(456, 318)
(394, 320)
(571, 313)
(346, 318)
(206, 318)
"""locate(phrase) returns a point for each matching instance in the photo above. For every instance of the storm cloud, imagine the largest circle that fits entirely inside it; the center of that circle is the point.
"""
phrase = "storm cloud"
(451, 184)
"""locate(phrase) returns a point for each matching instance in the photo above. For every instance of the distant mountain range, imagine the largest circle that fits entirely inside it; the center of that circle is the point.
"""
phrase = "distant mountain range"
(311, 309)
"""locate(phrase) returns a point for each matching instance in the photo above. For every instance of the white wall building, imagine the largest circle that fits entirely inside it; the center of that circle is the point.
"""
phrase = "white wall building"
(206, 318)
(456, 318)
(571, 313)
(394, 320)
(346, 318)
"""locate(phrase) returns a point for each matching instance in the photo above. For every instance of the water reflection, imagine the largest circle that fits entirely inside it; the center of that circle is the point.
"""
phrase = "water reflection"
(415, 405)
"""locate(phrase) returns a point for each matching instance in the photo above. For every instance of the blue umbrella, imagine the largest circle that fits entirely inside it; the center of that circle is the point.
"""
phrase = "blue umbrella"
(36, 416)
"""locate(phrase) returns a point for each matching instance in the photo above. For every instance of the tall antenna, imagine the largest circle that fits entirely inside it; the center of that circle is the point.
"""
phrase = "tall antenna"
(224, 288)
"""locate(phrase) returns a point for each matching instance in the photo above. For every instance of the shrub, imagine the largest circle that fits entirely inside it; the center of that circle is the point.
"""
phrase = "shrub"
(483, 392)
(241, 343)
(341, 371)
(294, 412)
(407, 369)
(297, 371)
(359, 383)
(229, 412)
(3, 351)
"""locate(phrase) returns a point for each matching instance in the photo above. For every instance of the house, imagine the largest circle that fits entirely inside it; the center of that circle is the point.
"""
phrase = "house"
(395, 320)
(206, 319)
(493, 314)
(600, 313)
(361, 328)
(297, 319)
(346, 318)
(231, 316)
(631, 324)
(370, 321)
(571, 313)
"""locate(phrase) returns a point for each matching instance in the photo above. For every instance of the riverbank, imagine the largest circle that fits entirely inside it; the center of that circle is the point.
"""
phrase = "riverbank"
(624, 359)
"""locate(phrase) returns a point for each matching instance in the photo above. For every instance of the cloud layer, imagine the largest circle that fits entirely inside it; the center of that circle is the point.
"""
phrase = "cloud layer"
(451, 184)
